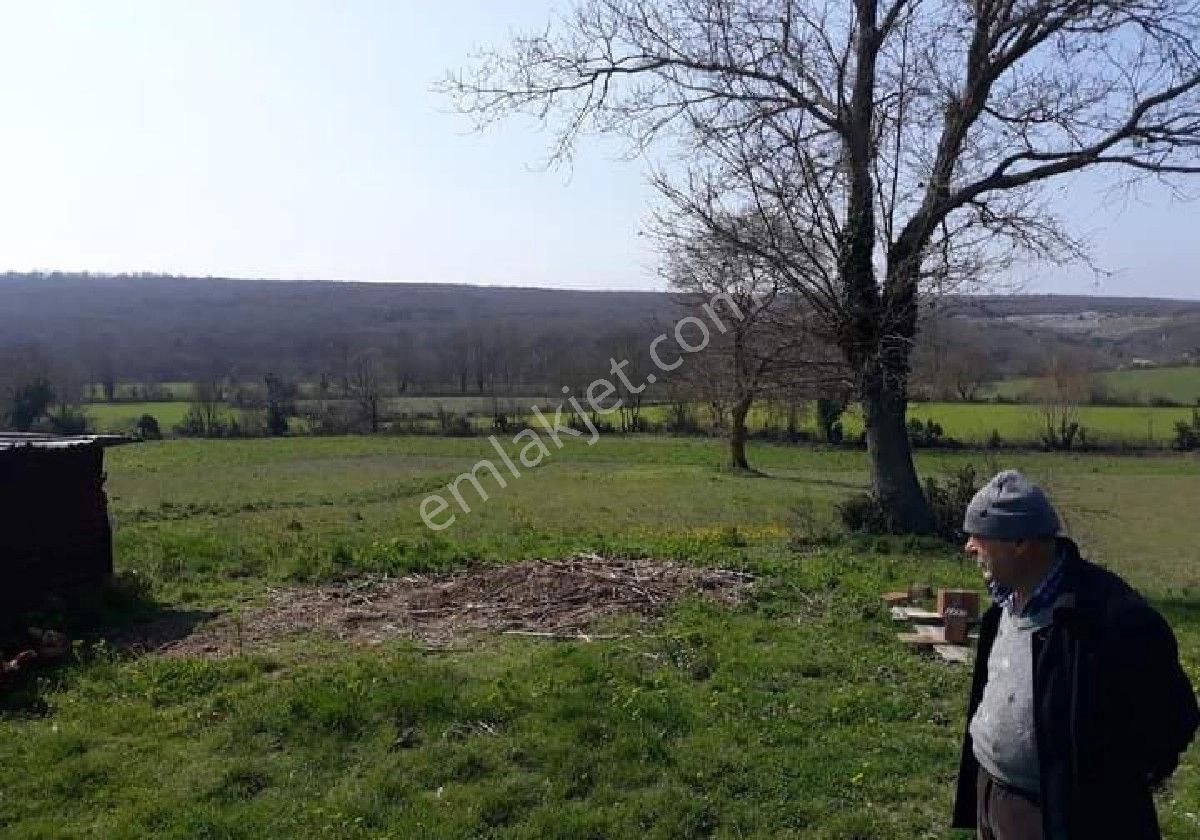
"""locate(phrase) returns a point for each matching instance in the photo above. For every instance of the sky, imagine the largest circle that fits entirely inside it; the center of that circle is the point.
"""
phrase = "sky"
(303, 140)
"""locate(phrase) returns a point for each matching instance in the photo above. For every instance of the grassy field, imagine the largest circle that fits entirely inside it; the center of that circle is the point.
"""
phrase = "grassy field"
(794, 715)
(121, 417)
(971, 423)
(1179, 384)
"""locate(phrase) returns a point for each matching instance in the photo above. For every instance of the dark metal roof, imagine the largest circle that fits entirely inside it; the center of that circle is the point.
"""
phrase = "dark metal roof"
(38, 440)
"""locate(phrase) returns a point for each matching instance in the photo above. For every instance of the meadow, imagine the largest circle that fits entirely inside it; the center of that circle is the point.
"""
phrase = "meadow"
(1179, 384)
(123, 416)
(969, 423)
(795, 714)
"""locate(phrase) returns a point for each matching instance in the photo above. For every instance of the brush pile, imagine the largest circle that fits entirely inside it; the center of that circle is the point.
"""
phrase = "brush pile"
(551, 598)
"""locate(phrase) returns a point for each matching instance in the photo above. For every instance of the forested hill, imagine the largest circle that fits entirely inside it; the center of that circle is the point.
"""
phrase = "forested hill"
(157, 328)
(172, 328)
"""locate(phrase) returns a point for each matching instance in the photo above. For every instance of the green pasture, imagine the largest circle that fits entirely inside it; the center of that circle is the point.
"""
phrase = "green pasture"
(121, 417)
(794, 715)
(974, 422)
(970, 423)
(1179, 384)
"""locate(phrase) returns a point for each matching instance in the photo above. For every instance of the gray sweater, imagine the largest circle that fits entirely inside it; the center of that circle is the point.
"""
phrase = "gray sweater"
(1003, 726)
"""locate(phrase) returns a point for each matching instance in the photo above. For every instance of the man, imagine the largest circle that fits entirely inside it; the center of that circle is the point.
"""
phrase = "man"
(1079, 706)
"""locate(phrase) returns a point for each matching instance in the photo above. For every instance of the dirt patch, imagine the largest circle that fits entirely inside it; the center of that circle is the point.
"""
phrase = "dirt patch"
(560, 598)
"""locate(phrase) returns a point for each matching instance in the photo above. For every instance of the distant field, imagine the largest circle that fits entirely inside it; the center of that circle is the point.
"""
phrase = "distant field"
(1180, 384)
(131, 390)
(120, 417)
(971, 423)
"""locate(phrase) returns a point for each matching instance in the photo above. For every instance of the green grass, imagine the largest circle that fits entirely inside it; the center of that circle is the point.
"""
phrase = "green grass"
(121, 417)
(973, 423)
(1106, 425)
(1179, 384)
(970, 423)
(795, 715)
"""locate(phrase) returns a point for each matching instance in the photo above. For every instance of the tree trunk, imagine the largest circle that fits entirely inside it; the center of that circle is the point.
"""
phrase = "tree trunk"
(893, 475)
(737, 435)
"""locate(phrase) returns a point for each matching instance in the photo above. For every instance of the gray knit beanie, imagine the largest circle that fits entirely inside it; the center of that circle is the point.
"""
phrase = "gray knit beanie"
(1011, 507)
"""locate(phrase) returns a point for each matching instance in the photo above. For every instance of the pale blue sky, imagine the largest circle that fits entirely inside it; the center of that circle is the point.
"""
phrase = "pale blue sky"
(301, 140)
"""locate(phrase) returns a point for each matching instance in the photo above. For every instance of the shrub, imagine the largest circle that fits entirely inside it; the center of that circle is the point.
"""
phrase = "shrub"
(455, 425)
(277, 420)
(949, 500)
(829, 413)
(28, 403)
(1187, 435)
(147, 427)
(863, 514)
(68, 421)
(927, 434)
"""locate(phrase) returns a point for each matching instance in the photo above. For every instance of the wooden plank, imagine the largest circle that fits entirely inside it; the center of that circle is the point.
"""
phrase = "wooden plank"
(921, 639)
(923, 616)
(920, 616)
(953, 653)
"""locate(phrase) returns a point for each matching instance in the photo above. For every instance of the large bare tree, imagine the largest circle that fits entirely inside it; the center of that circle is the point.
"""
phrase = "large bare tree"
(913, 138)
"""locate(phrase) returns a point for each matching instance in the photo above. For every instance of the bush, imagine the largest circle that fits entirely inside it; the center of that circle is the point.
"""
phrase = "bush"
(68, 421)
(927, 434)
(863, 514)
(455, 425)
(829, 414)
(1187, 435)
(147, 427)
(277, 420)
(949, 500)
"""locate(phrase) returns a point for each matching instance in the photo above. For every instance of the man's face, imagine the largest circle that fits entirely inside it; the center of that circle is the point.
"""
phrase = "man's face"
(1001, 561)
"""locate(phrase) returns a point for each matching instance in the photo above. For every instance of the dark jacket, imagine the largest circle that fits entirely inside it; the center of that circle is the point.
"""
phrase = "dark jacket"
(1113, 709)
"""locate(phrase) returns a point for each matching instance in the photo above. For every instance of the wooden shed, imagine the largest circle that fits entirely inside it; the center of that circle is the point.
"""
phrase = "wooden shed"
(55, 537)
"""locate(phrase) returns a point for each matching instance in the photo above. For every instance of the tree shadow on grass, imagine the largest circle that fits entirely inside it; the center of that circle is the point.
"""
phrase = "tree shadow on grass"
(822, 482)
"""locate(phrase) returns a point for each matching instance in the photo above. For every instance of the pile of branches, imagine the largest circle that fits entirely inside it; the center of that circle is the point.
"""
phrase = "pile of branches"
(549, 598)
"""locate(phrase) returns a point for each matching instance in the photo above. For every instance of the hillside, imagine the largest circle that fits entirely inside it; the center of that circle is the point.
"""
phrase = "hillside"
(155, 328)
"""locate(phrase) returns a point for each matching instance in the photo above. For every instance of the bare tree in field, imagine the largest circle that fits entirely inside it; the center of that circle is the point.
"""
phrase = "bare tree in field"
(365, 385)
(1063, 388)
(405, 361)
(912, 138)
(206, 414)
(950, 360)
(766, 341)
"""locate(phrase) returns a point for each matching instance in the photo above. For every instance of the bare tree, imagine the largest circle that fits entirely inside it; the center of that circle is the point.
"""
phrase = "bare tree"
(404, 360)
(1060, 392)
(909, 138)
(949, 360)
(627, 346)
(366, 386)
(763, 338)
